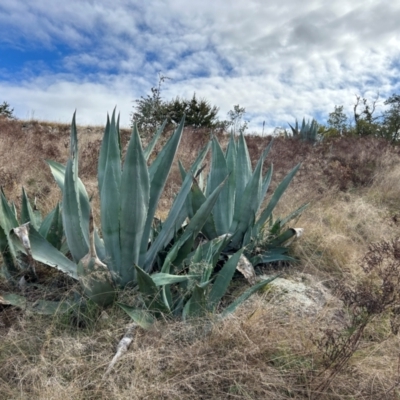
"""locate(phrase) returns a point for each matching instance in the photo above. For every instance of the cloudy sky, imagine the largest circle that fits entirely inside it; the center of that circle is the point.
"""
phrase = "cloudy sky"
(280, 60)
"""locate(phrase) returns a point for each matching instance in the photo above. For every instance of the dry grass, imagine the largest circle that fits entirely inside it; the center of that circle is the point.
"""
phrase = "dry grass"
(267, 350)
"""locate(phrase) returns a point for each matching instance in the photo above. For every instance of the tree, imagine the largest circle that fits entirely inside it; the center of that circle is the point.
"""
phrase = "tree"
(366, 123)
(6, 111)
(236, 119)
(391, 118)
(199, 113)
(149, 112)
(337, 120)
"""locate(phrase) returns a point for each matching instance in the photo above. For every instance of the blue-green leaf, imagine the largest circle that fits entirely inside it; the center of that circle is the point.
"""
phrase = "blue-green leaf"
(158, 173)
(135, 193)
(223, 280)
(143, 318)
(276, 197)
(72, 216)
(154, 140)
(232, 307)
(110, 202)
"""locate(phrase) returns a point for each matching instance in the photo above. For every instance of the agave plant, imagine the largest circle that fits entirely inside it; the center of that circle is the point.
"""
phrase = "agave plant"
(129, 194)
(48, 230)
(195, 294)
(238, 209)
(307, 132)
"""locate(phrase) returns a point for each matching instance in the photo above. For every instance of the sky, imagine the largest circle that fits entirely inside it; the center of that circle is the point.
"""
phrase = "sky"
(281, 60)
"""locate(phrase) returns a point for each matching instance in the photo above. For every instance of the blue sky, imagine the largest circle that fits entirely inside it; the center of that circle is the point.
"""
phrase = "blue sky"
(280, 60)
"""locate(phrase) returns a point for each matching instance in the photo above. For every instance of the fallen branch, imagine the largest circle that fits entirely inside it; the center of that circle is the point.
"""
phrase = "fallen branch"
(122, 348)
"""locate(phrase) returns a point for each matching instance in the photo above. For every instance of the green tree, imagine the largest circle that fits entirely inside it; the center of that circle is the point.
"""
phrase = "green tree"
(337, 121)
(391, 118)
(366, 124)
(149, 111)
(236, 117)
(6, 111)
(199, 112)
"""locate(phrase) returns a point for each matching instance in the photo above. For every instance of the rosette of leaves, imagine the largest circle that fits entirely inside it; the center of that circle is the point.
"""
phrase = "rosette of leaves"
(129, 193)
(308, 131)
(238, 209)
(195, 294)
(25, 239)
(46, 237)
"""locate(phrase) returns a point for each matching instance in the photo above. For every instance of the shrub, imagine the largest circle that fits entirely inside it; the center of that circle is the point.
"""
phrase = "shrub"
(6, 111)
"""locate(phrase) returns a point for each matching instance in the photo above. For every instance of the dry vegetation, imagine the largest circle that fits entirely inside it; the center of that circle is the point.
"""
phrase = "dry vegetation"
(343, 344)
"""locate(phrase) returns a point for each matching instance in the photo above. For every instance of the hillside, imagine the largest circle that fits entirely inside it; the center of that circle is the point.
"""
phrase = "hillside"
(326, 329)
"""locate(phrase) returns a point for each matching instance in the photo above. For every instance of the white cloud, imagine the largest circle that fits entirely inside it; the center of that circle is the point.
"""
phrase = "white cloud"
(279, 60)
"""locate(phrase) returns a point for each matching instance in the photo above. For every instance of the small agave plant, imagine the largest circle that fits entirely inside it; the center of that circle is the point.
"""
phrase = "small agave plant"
(45, 237)
(238, 210)
(308, 131)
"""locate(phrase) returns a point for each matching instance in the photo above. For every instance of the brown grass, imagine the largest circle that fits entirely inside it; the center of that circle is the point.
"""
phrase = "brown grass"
(268, 349)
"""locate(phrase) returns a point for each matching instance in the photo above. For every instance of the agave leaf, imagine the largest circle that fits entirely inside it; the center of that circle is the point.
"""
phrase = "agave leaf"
(166, 155)
(9, 266)
(223, 280)
(101, 170)
(276, 197)
(158, 173)
(266, 183)
(183, 252)
(223, 210)
(161, 278)
(232, 307)
(119, 135)
(143, 318)
(210, 251)
(243, 172)
(13, 299)
(27, 213)
(189, 204)
(110, 200)
(152, 294)
(8, 221)
(52, 227)
(294, 214)
(100, 248)
(48, 307)
(73, 149)
(167, 232)
(283, 237)
(39, 307)
(194, 201)
(154, 140)
(58, 171)
(194, 226)
(47, 221)
(231, 154)
(196, 306)
(294, 130)
(45, 253)
(244, 219)
(272, 255)
(267, 179)
(253, 196)
(135, 193)
(72, 216)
